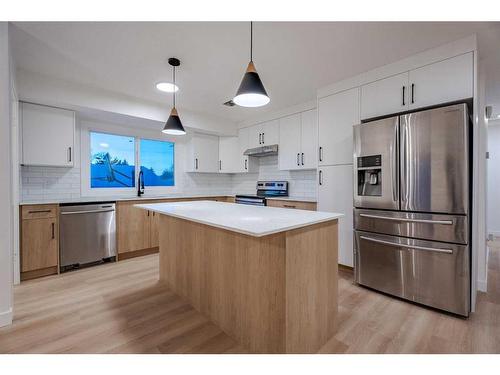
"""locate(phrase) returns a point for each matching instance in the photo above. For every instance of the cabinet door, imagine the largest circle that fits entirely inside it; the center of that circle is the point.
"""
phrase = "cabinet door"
(442, 82)
(47, 135)
(39, 243)
(335, 194)
(228, 154)
(204, 156)
(154, 221)
(337, 115)
(271, 132)
(133, 227)
(385, 96)
(255, 136)
(309, 140)
(289, 145)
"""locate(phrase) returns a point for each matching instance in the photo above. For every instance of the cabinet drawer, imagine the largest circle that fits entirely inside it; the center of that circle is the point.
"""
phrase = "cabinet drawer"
(310, 206)
(39, 211)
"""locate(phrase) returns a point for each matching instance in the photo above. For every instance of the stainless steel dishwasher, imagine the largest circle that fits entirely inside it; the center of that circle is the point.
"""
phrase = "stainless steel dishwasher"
(87, 234)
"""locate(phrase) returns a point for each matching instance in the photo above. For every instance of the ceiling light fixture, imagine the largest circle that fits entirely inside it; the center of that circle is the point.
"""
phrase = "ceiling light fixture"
(167, 87)
(173, 125)
(251, 92)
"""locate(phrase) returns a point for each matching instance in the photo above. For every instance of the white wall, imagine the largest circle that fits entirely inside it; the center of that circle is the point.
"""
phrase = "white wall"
(494, 178)
(6, 220)
(41, 89)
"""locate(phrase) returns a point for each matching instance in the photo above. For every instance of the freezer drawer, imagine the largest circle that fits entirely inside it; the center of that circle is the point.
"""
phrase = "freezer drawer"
(431, 273)
(444, 228)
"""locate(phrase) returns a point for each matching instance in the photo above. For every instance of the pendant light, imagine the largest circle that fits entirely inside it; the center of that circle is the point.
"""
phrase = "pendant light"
(251, 92)
(173, 125)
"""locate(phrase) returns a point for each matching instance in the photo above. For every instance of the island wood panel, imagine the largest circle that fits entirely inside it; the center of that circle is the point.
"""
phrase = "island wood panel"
(240, 282)
(311, 288)
(299, 205)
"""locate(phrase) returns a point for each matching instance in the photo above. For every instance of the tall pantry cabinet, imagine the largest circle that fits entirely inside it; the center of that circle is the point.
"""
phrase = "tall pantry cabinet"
(337, 114)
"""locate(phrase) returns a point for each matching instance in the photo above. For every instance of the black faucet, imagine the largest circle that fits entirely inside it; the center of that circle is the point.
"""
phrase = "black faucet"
(140, 184)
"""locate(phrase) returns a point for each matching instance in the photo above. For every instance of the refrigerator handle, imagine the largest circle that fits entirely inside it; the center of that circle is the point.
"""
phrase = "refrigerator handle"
(403, 150)
(394, 165)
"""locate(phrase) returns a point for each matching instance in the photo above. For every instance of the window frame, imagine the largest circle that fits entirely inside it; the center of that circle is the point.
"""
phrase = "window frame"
(85, 157)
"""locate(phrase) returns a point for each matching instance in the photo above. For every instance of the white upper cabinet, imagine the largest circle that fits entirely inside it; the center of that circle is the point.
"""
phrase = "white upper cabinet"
(388, 95)
(203, 154)
(335, 194)
(441, 82)
(445, 81)
(298, 141)
(290, 142)
(271, 132)
(264, 134)
(309, 139)
(228, 151)
(48, 135)
(244, 163)
(336, 116)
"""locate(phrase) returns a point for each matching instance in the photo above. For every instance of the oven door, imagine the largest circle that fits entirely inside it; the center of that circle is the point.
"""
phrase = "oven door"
(431, 273)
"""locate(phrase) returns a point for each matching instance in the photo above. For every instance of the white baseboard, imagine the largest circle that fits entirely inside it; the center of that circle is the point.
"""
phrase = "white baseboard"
(482, 285)
(6, 318)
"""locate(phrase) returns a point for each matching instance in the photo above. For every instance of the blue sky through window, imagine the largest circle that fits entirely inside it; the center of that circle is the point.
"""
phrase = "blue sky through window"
(112, 162)
(157, 162)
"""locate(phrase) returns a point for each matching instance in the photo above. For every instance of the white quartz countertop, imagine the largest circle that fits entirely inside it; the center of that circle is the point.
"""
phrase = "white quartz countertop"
(254, 221)
(116, 198)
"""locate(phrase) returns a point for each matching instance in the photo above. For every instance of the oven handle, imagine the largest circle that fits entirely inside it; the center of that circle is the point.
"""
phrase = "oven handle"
(423, 221)
(389, 243)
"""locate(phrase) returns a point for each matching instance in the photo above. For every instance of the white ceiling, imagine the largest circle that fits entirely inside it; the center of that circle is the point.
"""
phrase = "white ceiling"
(294, 59)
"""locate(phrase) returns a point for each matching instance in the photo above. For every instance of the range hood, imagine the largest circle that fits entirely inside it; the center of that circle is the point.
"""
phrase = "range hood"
(262, 151)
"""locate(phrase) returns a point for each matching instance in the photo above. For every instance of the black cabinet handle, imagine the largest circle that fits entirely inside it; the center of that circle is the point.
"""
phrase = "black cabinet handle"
(404, 89)
(38, 211)
(302, 156)
(220, 165)
(260, 138)
(70, 157)
(53, 230)
(196, 163)
(246, 165)
(263, 141)
(148, 213)
(289, 206)
(321, 154)
(412, 93)
(321, 177)
(298, 156)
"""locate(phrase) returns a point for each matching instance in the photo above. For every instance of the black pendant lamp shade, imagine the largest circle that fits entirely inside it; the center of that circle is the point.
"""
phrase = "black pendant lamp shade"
(251, 92)
(173, 125)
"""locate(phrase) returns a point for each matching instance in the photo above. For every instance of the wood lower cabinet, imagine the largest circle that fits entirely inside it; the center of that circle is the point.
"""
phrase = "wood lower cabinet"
(39, 241)
(154, 234)
(299, 205)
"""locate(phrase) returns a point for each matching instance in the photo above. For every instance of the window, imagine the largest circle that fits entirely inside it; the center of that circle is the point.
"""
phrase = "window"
(115, 161)
(157, 162)
(112, 161)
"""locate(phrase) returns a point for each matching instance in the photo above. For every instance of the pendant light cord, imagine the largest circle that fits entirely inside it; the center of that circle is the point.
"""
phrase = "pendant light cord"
(251, 41)
(174, 86)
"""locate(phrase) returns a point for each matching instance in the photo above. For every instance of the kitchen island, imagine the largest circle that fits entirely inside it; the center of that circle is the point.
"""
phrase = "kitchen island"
(267, 276)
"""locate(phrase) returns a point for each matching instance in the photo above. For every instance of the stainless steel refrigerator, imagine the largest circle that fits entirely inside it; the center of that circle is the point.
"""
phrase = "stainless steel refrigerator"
(411, 207)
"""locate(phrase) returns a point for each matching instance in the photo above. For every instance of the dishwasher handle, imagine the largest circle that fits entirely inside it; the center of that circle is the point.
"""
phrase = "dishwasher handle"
(86, 212)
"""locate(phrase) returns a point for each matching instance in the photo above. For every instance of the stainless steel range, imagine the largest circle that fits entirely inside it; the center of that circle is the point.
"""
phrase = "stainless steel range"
(265, 189)
(412, 207)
